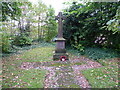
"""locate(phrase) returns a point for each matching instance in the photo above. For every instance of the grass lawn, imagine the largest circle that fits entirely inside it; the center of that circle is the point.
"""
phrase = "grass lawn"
(41, 54)
(104, 77)
(14, 76)
(24, 79)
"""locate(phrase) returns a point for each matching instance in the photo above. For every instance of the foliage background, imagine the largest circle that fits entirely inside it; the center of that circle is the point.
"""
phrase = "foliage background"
(87, 25)
(24, 23)
(92, 24)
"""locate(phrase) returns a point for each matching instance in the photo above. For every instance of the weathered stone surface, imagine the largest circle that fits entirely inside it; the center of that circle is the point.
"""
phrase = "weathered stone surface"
(60, 51)
(60, 45)
(60, 41)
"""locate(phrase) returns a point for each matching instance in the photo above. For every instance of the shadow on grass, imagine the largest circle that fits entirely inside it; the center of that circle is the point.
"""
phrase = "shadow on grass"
(95, 53)
(19, 49)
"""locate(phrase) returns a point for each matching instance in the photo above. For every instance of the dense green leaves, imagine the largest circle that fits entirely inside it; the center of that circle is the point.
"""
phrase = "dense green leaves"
(114, 24)
(87, 24)
(11, 10)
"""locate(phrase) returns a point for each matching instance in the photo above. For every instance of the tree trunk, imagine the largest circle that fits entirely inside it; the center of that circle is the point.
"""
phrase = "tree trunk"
(39, 28)
(11, 27)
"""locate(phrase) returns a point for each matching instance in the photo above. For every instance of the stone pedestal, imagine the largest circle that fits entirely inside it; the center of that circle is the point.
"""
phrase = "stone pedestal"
(60, 49)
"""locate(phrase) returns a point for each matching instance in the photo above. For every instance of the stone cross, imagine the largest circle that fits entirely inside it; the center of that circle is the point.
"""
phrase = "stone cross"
(60, 17)
(60, 50)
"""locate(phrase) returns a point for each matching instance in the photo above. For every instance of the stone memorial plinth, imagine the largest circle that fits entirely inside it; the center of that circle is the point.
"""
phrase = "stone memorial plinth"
(60, 50)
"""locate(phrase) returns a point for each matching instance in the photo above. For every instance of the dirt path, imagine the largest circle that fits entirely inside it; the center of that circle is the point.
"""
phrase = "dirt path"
(64, 74)
(77, 70)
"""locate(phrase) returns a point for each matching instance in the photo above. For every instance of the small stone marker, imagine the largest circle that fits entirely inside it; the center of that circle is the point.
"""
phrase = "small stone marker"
(60, 41)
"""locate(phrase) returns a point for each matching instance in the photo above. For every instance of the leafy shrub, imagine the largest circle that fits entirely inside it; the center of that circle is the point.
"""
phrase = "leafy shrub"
(99, 53)
(79, 47)
(22, 40)
(5, 43)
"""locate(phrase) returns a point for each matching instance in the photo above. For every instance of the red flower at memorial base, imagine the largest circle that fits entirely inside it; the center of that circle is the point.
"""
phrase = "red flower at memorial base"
(63, 58)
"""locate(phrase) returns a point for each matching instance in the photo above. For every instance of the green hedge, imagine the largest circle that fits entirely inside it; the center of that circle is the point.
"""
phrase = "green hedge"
(5, 42)
(22, 40)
